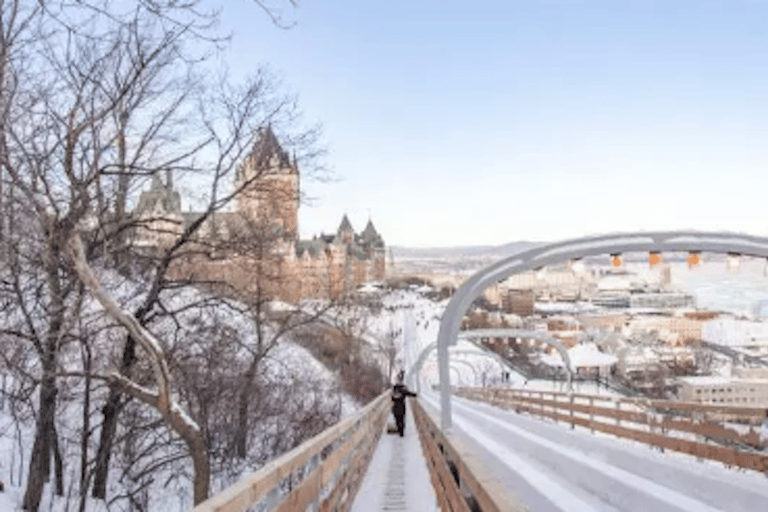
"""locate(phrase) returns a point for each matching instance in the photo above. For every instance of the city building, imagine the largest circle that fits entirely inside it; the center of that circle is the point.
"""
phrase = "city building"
(735, 332)
(518, 302)
(749, 392)
(258, 249)
(666, 299)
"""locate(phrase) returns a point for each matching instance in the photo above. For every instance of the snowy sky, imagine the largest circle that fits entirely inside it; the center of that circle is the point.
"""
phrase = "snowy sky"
(482, 122)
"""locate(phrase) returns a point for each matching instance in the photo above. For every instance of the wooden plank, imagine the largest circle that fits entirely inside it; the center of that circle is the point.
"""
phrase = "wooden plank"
(726, 455)
(349, 481)
(687, 407)
(708, 429)
(250, 490)
(358, 467)
(331, 464)
(621, 414)
(490, 494)
(446, 486)
(303, 494)
(695, 407)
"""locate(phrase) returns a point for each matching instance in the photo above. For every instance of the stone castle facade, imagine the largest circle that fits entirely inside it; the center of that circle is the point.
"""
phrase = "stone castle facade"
(255, 249)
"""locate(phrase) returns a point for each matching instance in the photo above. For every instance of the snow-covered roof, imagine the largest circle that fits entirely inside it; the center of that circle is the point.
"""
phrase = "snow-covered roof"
(583, 355)
(564, 307)
(277, 305)
(369, 288)
(614, 283)
(713, 380)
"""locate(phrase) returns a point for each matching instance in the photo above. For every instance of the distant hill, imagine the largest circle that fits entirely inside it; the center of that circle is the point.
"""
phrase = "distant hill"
(468, 259)
(459, 252)
(458, 260)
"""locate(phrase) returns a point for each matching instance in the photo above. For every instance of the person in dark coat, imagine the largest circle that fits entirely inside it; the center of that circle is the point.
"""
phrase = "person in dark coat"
(399, 392)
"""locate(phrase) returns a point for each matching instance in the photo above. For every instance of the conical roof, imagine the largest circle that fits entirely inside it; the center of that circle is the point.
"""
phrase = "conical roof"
(370, 233)
(345, 226)
(266, 147)
(370, 236)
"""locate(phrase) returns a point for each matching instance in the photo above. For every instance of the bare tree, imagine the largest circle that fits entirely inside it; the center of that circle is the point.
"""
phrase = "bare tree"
(390, 348)
(161, 398)
(488, 367)
(260, 244)
(94, 101)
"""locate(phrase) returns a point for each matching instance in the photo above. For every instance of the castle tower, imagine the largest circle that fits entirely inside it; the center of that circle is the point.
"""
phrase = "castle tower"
(345, 234)
(158, 215)
(270, 185)
(375, 251)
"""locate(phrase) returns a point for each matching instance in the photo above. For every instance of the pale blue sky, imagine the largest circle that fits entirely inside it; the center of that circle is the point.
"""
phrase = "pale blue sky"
(483, 122)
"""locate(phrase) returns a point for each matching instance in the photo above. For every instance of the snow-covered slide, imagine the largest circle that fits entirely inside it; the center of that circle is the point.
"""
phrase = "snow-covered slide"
(553, 468)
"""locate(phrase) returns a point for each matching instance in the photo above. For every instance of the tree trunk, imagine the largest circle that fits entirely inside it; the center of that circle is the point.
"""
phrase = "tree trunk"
(199, 453)
(241, 437)
(40, 460)
(111, 412)
(57, 461)
(108, 427)
(182, 425)
(86, 433)
(241, 433)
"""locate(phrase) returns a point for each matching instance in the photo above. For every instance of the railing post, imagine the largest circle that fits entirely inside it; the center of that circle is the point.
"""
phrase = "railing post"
(591, 414)
(573, 425)
(554, 407)
(650, 423)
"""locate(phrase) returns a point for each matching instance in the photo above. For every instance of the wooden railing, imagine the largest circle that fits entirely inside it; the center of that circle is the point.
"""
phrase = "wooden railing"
(459, 481)
(727, 434)
(325, 471)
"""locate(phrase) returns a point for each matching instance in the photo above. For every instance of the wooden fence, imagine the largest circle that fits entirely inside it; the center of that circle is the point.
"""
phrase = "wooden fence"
(325, 471)
(727, 434)
(459, 481)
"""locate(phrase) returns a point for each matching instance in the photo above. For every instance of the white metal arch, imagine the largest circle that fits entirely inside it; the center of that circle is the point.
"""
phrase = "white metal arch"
(464, 361)
(469, 352)
(454, 368)
(522, 333)
(467, 364)
(559, 252)
(420, 360)
(411, 376)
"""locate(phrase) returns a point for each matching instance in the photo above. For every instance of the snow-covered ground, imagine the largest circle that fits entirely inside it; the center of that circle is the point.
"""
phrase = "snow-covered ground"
(15, 447)
(553, 469)
(288, 364)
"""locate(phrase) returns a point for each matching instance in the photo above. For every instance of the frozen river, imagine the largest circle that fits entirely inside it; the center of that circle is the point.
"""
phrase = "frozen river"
(717, 288)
